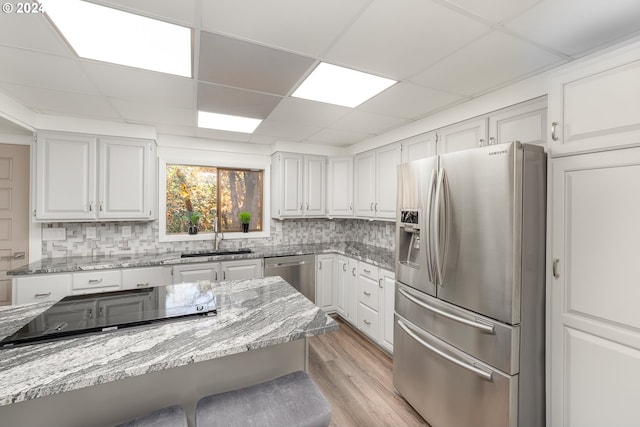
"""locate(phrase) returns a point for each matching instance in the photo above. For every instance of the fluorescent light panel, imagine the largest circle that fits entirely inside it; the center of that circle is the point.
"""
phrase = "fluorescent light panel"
(226, 122)
(341, 86)
(111, 35)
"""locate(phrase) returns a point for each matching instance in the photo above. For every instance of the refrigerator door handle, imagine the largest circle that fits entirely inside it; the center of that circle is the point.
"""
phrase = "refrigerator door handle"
(482, 326)
(441, 225)
(461, 363)
(428, 239)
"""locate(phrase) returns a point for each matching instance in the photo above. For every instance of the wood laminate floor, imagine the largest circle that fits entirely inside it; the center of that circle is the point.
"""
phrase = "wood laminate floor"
(356, 378)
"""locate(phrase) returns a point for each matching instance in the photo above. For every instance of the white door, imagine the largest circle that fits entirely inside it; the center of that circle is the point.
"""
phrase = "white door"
(594, 290)
(462, 136)
(340, 187)
(387, 161)
(315, 185)
(65, 177)
(365, 184)
(124, 179)
(14, 213)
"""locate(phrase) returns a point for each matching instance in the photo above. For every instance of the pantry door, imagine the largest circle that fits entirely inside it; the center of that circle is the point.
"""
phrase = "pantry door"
(14, 213)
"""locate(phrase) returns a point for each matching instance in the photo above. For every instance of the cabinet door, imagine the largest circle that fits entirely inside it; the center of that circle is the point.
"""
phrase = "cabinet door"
(315, 185)
(65, 177)
(340, 187)
(190, 273)
(125, 179)
(325, 291)
(96, 281)
(135, 278)
(387, 297)
(365, 184)
(49, 287)
(291, 184)
(387, 161)
(526, 123)
(593, 284)
(341, 276)
(241, 269)
(462, 136)
(419, 147)
(352, 291)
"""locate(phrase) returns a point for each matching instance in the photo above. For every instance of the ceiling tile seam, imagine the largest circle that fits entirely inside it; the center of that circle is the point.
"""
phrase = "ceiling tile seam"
(241, 89)
(548, 49)
(141, 12)
(197, 33)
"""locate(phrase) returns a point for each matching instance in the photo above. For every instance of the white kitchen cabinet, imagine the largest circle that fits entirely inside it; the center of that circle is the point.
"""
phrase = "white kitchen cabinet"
(352, 292)
(368, 300)
(341, 276)
(593, 102)
(189, 273)
(144, 277)
(88, 178)
(387, 305)
(526, 122)
(376, 179)
(242, 269)
(462, 136)
(128, 305)
(96, 281)
(340, 187)
(39, 288)
(419, 147)
(593, 317)
(325, 283)
(298, 185)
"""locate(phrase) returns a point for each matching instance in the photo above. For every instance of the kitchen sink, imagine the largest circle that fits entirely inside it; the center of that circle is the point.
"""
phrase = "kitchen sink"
(214, 253)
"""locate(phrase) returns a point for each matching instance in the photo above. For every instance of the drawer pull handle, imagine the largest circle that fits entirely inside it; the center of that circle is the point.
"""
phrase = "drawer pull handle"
(482, 326)
(556, 261)
(554, 131)
(42, 295)
(353, 272)
(367, 322)
(367, 293)
(344, 267)
(95, 281)
(480, 372)
(380, 283)
(367, 271)
(142, 285)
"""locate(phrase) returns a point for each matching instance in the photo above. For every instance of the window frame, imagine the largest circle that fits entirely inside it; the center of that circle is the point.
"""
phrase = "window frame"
(162, 199)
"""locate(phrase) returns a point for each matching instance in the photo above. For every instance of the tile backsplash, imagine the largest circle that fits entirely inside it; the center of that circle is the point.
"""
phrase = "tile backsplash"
(109, 238)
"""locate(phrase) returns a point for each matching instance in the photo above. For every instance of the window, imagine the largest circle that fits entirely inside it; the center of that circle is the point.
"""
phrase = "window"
(203, 194)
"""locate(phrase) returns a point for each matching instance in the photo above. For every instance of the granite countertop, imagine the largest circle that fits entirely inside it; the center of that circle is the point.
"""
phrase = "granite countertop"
(381, 257)
(252, 314)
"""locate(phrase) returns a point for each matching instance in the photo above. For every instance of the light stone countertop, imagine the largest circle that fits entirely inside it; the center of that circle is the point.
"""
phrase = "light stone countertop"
(381, 257)
(252, 314)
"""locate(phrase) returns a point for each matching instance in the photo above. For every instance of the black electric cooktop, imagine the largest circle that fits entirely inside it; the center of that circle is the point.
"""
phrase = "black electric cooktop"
(109, 311)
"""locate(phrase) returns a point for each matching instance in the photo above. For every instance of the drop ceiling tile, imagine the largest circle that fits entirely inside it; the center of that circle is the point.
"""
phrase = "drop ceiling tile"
(45, 71)
(494, 10)
(408, 101)
(149, 114)
(496, 59)
(308, 27)
(142, 86)
(245, 65)
(576, 27)
(290, 131)
(398, 38)
(339, 138)
(177, 12)
(236, 102)
(310, 113)
(61, 103)
(364, 122)
(33, 32)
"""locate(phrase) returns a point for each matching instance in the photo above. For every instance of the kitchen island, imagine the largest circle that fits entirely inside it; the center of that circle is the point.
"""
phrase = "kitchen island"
(259, 333)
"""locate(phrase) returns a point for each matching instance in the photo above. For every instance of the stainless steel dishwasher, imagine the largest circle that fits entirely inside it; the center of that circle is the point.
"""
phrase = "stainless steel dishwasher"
(298, 270)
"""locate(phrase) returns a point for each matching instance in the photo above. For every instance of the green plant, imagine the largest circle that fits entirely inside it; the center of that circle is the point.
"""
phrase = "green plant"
(194, 217)
(245, 217)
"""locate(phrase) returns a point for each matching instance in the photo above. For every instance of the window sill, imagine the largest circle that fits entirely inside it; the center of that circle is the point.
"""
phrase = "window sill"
(209, 236)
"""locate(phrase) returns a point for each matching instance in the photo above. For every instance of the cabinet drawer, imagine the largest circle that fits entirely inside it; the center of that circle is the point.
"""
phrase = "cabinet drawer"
(368, 321)
(133, 278)
(368, 270)
(95, 281)
(368, 293)
(39, 289)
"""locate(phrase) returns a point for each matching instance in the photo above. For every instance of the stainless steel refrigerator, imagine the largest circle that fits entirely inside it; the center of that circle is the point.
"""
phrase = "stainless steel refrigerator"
(469, 308)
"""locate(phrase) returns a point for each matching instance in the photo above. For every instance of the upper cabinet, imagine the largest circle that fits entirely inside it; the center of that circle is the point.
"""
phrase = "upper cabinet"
(86, 178)
(419, 147)
(376, 178)
(462, 136)
(298, 185)
(593, 103)
(340, 187)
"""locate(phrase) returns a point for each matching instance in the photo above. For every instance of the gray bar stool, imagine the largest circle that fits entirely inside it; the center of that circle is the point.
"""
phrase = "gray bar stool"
(291, 400)
(172, 416)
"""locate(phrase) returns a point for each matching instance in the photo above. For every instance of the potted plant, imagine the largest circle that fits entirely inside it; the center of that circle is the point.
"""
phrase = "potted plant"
(245, 219)
(194, 217)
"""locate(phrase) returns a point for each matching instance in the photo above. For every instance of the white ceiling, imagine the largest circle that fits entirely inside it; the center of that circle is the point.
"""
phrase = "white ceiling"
(250, 55)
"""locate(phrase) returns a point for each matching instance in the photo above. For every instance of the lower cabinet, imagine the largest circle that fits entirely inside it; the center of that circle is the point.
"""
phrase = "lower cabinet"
(144, 277)
(325, 283)
(215, 271)
(96, 281)
(39, 288)
(242, 269)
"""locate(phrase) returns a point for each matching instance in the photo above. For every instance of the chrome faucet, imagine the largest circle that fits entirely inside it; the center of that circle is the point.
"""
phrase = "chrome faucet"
(217, 236)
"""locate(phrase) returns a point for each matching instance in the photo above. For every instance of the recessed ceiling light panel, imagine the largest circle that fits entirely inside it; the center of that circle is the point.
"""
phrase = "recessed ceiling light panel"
(341, 86)
(227, 122)
(111, 35)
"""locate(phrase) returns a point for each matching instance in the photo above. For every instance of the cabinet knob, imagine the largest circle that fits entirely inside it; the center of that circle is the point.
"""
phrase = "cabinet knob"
(90, 206)
(371, 207)
(380, 283)
(554, 128)
(344, 267)
(492, 141)
(481, 143)
(353, 271)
